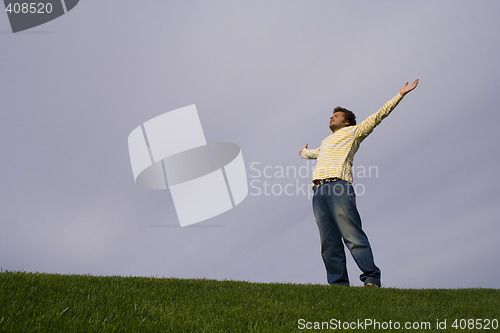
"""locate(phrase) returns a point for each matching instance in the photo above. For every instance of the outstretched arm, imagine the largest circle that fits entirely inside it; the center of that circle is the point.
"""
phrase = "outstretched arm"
(366, 127)
(309, 153)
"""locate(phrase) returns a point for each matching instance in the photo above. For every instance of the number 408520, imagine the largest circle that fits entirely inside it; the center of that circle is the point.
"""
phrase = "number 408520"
(31, 8)
(475, 324)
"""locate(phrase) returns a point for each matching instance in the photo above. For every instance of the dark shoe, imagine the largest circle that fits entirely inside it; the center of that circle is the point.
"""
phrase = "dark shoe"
(372, 285)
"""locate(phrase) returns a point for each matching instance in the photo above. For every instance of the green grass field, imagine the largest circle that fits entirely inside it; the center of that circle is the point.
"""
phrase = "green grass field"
(64, 303)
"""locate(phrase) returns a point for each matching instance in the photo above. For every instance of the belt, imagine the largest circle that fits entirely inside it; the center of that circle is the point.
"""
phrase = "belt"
(318, 182)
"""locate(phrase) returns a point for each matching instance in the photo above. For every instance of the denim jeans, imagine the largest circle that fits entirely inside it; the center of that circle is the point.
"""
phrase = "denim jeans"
(337, 217)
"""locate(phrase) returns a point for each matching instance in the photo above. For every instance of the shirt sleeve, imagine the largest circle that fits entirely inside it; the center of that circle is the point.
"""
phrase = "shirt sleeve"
(366, 127)
(310, 153)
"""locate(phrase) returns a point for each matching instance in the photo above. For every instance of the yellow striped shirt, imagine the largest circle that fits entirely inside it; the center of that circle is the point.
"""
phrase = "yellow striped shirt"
(336, 153)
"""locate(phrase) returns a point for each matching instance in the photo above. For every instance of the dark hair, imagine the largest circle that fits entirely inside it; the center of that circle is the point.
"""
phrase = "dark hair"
(348, 115)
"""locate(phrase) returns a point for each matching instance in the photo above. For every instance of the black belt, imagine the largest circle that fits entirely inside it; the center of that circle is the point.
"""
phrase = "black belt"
(318, 182)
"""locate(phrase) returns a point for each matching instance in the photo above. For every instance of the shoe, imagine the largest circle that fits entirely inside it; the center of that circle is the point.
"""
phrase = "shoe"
(372, 285)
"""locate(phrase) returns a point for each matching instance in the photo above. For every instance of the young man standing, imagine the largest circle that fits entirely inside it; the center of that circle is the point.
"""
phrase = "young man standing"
(334, 200)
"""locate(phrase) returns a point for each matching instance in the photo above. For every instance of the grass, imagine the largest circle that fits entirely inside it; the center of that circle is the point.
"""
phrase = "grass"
(73, 303)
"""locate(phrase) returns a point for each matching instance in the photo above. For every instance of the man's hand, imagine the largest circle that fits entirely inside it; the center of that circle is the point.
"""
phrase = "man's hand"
(407, 88)
(305, 147)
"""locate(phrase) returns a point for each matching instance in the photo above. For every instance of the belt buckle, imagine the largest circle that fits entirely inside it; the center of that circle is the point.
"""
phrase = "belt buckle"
(331, 180)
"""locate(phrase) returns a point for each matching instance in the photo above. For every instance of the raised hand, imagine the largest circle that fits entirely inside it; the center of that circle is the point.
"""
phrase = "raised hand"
(407, 88)
(305, 147)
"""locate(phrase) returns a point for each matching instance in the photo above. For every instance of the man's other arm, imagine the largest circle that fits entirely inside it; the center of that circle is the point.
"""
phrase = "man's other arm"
(367, 126)
(309, 153)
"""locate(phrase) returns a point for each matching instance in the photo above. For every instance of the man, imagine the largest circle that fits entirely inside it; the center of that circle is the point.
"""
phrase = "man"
(334, 200)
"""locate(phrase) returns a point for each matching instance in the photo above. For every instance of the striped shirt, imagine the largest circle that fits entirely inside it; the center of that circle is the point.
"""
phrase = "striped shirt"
(336, 153)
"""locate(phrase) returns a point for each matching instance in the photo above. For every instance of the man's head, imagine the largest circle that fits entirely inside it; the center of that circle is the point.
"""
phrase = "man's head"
(341, 118)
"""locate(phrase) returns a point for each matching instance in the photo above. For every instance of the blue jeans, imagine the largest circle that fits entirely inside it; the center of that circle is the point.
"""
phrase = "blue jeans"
(337, 217)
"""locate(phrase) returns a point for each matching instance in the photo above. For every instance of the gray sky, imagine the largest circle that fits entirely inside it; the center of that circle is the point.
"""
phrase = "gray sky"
(264, 75)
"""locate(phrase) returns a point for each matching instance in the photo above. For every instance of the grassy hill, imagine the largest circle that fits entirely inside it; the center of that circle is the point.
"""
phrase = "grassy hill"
(62, 303)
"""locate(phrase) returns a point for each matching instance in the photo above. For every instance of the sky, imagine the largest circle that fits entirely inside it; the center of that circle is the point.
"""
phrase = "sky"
(264, 75)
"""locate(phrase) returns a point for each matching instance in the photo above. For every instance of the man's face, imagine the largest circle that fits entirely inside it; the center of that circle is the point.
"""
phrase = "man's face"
(337, 121)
